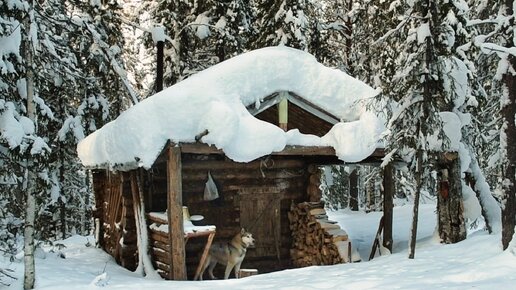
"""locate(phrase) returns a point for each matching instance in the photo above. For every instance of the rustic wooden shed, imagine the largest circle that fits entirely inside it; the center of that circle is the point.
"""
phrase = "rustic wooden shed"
(134, 205)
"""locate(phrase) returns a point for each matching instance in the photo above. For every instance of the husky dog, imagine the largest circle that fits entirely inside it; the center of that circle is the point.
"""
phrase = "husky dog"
(230, 254)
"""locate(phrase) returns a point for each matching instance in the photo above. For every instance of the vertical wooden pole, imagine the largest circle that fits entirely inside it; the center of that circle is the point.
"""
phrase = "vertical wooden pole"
(175, 215)
(283, 112)
(159, 66)
(353, 189)
(388, 194)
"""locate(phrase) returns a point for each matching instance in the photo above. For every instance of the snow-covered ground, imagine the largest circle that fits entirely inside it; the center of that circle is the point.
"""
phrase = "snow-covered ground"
(477, 262)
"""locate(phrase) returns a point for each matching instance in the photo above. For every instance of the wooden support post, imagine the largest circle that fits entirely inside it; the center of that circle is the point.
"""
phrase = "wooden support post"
(388, 194)
(204, 256)
(159, 67)
(175, 215)
(283, 111)
(353, 189)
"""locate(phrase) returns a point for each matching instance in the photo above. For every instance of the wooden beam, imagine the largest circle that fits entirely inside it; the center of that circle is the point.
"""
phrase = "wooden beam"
(312, 108)
(353, 189)
(388, 204)
(175, 215)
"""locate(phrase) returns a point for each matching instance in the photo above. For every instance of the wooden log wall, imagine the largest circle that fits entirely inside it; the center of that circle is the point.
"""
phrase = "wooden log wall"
(159, 245)
(115, 211)
(316, 240)
(255, 195)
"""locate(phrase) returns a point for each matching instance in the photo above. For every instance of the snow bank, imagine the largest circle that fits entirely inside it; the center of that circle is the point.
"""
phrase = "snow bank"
(216, 99)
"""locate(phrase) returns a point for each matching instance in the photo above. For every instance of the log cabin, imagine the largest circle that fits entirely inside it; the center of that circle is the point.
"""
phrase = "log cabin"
(261, 124)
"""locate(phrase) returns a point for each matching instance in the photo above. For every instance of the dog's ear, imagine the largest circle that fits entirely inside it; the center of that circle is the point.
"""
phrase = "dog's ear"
(242, 231)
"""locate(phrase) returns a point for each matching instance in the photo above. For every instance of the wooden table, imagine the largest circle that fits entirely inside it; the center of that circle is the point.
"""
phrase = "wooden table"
(210, 234)
(159, 218)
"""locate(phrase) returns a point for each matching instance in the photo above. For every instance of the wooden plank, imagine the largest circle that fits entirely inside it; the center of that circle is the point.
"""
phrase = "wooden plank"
(161, 237)
(201, 148)
(312, 108)
(306, 150)
(376, 242)
(175, 215)
(257, 164)
(237, 173)
(156, 219)
(259, 214)
(204, 255)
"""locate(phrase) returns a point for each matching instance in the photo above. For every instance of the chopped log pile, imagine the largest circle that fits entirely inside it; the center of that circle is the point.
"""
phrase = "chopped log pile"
(316, 239)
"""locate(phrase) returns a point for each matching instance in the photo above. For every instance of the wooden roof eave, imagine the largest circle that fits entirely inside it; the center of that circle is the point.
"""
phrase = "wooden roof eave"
(296, 100)
(290, 150)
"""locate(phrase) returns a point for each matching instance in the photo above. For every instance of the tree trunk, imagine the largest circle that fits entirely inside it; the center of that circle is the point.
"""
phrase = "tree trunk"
(30, 208)
(353, 189)
(509, 131)
(450, 209)
(30, 216)
(415, 211)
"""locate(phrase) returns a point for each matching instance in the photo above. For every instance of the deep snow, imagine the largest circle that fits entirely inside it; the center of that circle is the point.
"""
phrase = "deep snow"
(216, 100)
(477, 262)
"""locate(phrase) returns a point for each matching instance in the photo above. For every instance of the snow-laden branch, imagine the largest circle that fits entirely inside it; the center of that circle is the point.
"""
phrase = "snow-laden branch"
(114, 63)
(104, 46)
(491, 47)
(402, 109)
(396, 29)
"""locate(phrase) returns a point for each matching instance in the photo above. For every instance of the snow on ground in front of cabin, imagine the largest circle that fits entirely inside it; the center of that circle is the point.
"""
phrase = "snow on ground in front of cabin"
(477, 262)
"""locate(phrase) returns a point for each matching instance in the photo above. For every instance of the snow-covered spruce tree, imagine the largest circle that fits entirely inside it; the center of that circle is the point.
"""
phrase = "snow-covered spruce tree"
(98, 40)
(495, 38)
(486, 88)
(375, 39)
(336, 187)
(284, 22)
(506, 73)
(60, 81)
(11, 127)
(331, 36)
(202, 33)
(431, 79)
(478, 141)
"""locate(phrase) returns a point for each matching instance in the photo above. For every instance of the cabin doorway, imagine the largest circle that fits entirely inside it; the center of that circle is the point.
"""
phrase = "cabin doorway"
(260, 215)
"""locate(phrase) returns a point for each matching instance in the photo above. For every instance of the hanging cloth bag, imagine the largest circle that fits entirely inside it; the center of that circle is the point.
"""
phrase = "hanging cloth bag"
(210, 190)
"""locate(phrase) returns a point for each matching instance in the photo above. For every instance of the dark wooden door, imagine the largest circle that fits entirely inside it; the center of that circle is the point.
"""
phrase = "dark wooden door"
(260, 215)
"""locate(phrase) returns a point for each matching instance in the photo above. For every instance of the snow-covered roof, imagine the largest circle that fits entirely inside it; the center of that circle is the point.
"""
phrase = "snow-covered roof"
(216, 100)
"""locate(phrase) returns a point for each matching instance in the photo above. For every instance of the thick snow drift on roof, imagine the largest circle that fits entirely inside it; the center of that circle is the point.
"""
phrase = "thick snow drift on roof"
(216, 99)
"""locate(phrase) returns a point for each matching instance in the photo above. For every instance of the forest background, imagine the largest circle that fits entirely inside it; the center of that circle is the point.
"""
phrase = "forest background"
(69, 67)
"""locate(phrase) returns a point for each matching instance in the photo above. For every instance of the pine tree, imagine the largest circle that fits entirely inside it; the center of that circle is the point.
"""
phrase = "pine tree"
(284, 22)
(430, 78)
(52, 64)
(507, 69)
(495, 36)
(202, 33)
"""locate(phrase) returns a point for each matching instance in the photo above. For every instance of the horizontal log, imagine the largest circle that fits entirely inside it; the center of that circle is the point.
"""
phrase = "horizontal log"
(238, 174)
(156, 219)
(317, 211)
(159, 236)
(160, 255)
(216, 165)
(162, 266)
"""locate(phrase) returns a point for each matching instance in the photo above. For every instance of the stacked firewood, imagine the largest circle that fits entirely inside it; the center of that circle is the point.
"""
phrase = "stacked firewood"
(316, 239)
